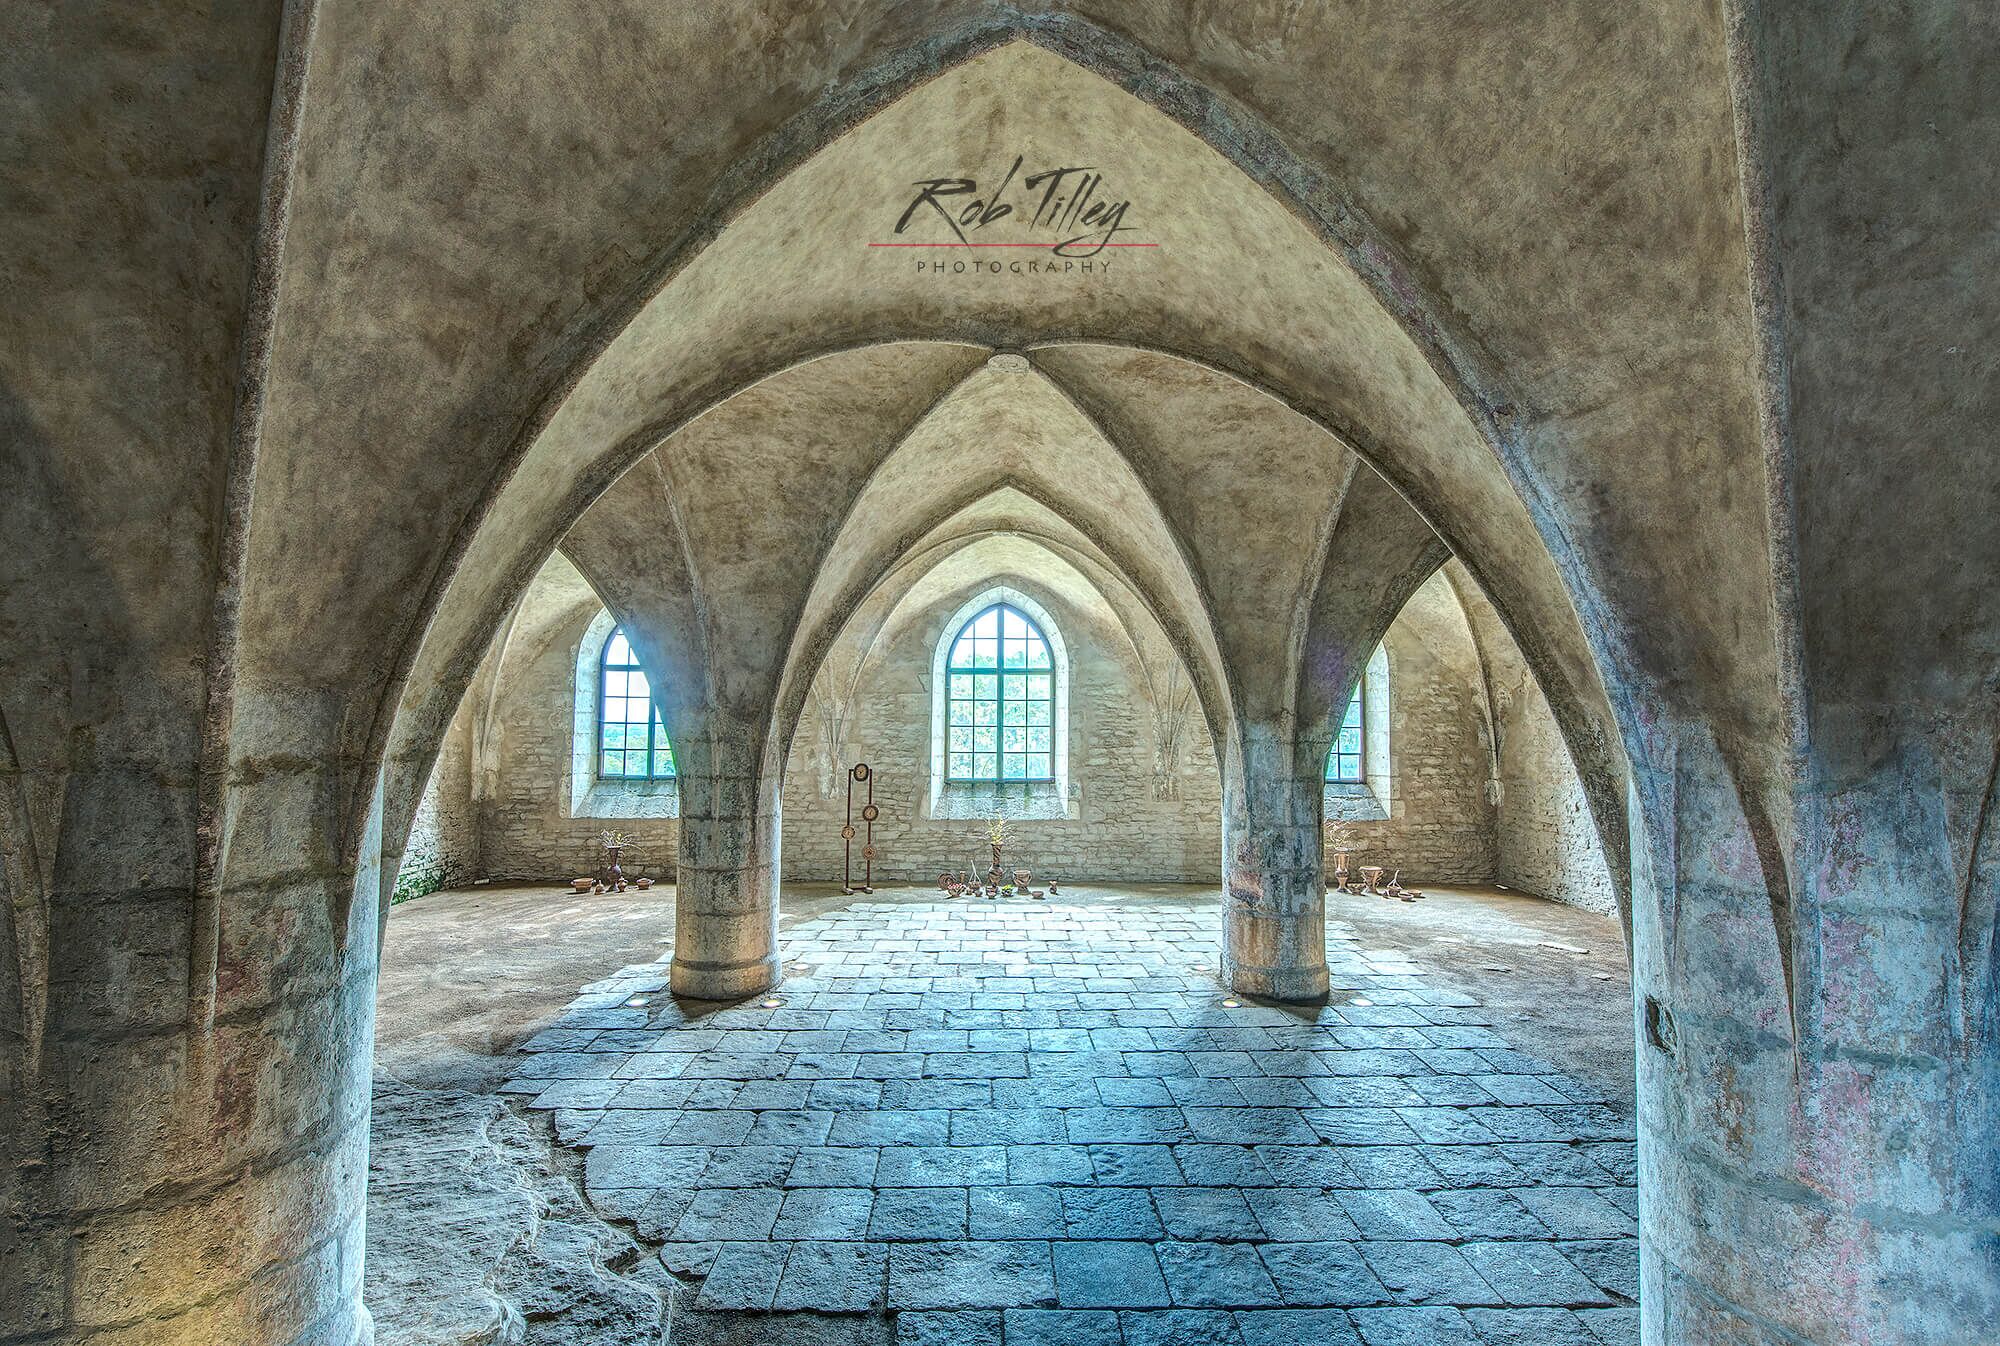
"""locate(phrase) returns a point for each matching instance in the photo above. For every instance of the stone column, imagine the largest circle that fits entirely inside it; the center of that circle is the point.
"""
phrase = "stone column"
(1820, 1165)
(178, 1177)
(1274, 890)
(726, 885)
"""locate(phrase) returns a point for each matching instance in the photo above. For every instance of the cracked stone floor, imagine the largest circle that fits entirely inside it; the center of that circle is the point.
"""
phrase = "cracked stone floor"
(976, 1123)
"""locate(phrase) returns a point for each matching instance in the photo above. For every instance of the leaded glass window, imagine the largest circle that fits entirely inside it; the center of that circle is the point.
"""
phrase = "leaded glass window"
(631, 740)
(1344, 762)
(1000, 700)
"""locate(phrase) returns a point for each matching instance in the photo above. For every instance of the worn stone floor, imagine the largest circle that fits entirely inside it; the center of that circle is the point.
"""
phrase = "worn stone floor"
(977, 1123)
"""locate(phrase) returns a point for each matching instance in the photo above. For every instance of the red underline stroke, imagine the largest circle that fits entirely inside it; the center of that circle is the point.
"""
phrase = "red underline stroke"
(1045, 246)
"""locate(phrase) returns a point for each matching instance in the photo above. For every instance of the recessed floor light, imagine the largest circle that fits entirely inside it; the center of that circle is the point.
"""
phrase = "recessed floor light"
(1361, 1000)
(637, 1001)
(1232, 1004)
(771, 1004)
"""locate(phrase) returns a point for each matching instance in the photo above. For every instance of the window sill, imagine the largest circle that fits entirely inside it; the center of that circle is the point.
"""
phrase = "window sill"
(1034, 800)
(1352, 803)
(615, 800)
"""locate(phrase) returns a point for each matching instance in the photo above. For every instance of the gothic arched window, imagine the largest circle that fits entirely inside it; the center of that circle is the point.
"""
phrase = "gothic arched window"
(1000, 699)
(631, 739)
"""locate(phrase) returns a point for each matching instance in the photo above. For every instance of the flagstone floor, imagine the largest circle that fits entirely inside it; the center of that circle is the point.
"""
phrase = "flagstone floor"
(976, 1123)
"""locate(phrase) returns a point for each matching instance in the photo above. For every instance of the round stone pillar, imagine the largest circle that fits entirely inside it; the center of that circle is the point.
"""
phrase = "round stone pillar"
(1819, 1146)
(182, 1177)
(726, 882)
(1274, 889)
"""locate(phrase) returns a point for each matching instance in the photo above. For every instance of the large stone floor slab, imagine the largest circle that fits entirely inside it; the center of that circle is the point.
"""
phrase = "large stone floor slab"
(1019, 1122)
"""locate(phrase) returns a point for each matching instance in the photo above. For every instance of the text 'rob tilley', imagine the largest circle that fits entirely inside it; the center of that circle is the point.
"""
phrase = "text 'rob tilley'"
(1068, 209)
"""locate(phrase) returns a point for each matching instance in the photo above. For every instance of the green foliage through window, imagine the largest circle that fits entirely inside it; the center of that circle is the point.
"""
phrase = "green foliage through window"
(631, 740)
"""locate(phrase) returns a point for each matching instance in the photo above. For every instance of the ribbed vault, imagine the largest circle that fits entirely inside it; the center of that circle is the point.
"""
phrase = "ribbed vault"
(1295, 358)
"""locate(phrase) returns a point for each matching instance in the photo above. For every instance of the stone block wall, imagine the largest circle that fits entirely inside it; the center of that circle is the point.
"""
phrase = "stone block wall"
(1126, 820)
(526, 827)
(443, 849)
(500, 803)
(1440, 827)
(1548, 841)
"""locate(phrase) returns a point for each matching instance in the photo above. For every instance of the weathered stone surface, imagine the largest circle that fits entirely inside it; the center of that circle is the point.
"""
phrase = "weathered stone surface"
(476, 1238)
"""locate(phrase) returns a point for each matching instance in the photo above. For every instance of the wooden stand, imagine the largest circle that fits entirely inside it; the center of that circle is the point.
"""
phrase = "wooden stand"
(869, 813)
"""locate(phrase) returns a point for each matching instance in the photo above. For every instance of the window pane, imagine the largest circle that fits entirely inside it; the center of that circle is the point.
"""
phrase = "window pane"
(1349, 742)
(632, 740)
(989, 715)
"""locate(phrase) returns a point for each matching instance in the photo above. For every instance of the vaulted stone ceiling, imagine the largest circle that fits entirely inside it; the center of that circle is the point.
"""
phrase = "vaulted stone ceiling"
(792, 269)
(793, 501)
(329, 321)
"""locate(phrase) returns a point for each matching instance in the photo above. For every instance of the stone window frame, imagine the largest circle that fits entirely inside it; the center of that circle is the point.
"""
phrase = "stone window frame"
(610, 798)
(1041, 800)
(1372, 799)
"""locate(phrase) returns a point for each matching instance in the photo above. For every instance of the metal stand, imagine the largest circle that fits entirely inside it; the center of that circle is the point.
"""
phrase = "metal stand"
(869, 813)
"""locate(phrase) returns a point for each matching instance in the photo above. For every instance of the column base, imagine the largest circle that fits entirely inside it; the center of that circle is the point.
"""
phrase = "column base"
(723, 981)
(1289, 985)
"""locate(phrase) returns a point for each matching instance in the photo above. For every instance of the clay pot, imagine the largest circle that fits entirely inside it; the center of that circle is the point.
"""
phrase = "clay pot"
(582, 885)
(643, 883)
